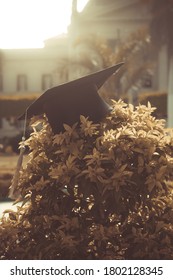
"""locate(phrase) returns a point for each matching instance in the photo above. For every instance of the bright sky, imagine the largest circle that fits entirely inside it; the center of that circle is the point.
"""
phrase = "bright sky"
(27, 23)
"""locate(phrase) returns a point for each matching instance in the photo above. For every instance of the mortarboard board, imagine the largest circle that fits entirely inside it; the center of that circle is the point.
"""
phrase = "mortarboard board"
(66, 102)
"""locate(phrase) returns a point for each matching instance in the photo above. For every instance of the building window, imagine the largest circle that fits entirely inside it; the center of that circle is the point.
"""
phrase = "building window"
(46, 81)
(147, 81)
(1, 83)
(21, 82)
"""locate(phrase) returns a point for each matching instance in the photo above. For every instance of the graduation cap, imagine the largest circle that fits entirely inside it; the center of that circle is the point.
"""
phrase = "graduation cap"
(66, 102)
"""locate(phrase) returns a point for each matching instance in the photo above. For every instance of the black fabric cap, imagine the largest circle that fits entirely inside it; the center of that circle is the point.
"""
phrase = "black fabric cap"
(66, 102)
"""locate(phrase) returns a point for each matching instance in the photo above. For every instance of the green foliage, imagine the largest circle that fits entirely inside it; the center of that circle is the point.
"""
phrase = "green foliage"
(96, 191)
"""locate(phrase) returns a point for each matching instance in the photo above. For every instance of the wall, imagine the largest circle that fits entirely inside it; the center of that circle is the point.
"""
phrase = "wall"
(34, 63)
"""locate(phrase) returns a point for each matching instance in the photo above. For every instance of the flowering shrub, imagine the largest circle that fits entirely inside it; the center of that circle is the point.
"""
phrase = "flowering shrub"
(95, 191)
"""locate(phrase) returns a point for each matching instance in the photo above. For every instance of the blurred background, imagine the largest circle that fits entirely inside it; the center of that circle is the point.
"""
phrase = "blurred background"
(44, 43)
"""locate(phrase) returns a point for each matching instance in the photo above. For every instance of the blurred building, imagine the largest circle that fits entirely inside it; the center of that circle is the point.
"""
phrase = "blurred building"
(31, 70)
(115, 20)
(27, 71)
(111, 19)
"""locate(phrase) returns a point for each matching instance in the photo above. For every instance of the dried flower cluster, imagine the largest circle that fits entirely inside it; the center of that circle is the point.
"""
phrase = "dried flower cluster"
(96, 191)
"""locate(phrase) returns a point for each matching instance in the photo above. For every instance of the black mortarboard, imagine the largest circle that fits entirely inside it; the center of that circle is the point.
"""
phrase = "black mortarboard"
(66, 102)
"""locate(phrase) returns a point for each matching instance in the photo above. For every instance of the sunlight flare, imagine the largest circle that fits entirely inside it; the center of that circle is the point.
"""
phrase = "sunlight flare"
(27, 23)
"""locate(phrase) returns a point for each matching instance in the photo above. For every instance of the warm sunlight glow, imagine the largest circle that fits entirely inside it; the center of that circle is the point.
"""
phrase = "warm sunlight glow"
(27, 23)
(81, 4)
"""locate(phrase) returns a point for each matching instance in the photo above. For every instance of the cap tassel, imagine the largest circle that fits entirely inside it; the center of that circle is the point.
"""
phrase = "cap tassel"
(14, 193)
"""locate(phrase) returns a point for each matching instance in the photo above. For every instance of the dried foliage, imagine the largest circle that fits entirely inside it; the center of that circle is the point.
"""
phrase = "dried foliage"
(140, 61)
(99, 45)
(158, 99)
(96, 191)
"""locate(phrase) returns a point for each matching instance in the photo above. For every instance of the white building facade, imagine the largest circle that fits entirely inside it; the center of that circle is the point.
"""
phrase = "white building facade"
(31, 70)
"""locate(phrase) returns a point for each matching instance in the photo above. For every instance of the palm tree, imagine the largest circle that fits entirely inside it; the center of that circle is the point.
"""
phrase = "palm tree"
(138, 55)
